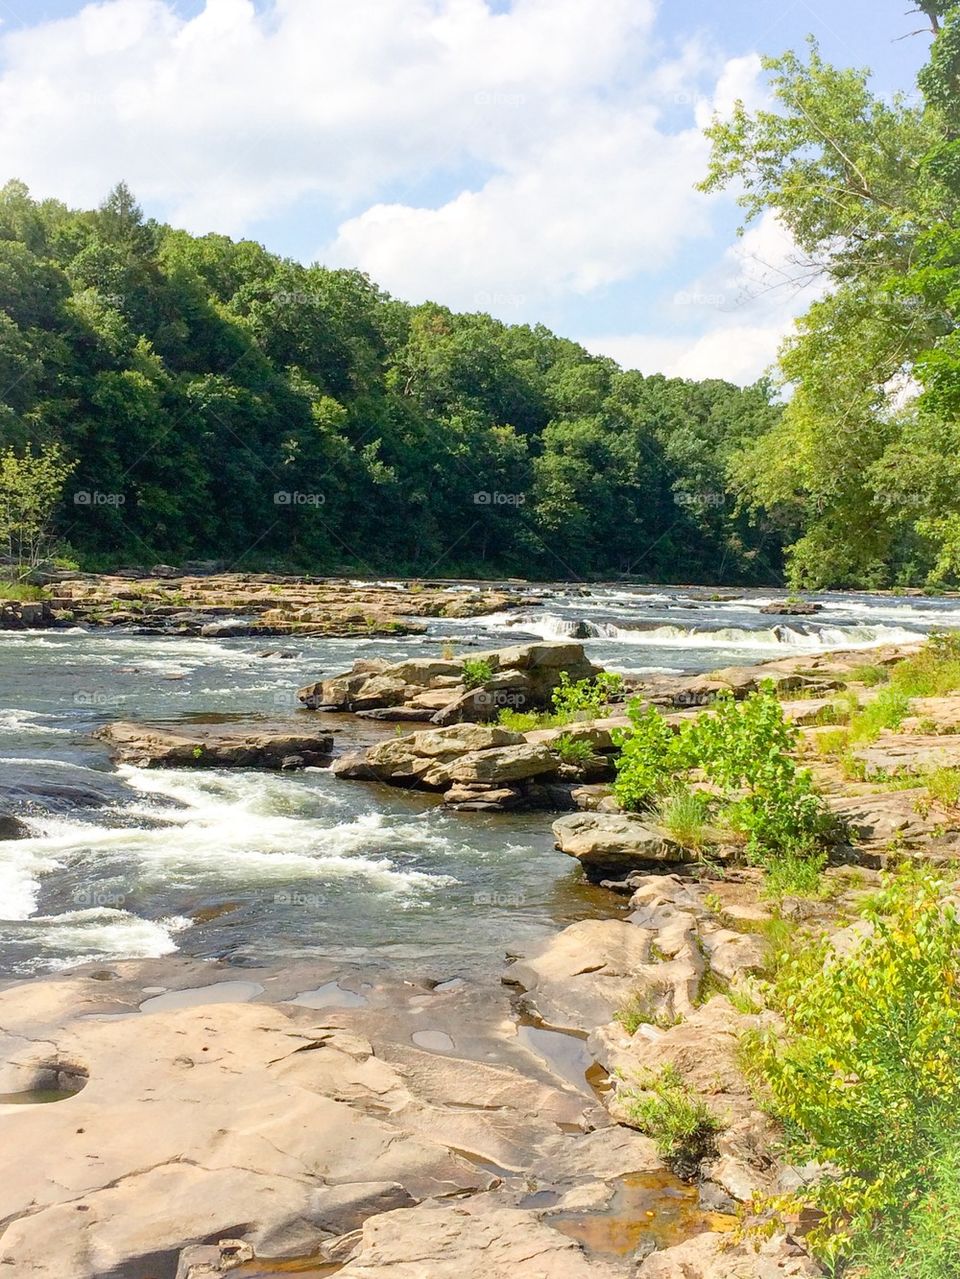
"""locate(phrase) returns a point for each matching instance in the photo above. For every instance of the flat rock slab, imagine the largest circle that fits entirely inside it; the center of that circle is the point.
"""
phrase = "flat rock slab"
(479, 1239)
(895, 753)
(215, 746)
(611, 845)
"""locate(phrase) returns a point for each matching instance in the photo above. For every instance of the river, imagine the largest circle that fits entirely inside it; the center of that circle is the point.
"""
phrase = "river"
(261, 868)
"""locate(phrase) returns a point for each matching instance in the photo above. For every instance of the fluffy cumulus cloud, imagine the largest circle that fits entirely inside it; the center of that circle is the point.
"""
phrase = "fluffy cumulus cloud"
(553, 145)
(733, 317)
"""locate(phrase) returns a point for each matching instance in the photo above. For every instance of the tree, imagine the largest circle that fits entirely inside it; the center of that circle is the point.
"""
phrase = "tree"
(30, 487)
(869, 189)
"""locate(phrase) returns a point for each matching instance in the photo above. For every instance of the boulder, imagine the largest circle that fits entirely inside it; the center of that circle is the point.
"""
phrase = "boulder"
(610, 845)
(577, 979)
(214, 746)
(503, 764)
(424, 759)
(599, 733)
(12, 828)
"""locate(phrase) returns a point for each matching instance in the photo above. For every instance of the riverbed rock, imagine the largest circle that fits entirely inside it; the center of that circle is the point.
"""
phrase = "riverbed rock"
(12, 828)
(479, 1238)
(895, 753)
(504, 764)
(579, 978)
(523, 676)
(716, 1256)
(424, 759)
(611, 845)
(200, 1122)
(215, 746)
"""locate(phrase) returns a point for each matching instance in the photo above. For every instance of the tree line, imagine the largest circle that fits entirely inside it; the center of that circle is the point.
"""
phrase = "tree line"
(216, 401)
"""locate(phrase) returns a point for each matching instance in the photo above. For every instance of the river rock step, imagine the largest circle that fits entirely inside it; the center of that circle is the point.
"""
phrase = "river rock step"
(216, 746)
(522, 677)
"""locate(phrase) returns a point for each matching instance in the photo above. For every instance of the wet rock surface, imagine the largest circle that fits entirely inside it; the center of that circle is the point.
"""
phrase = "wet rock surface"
(217, 746)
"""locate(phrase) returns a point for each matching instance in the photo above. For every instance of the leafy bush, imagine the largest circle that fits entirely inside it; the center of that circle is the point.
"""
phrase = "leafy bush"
(574, 751)
(869, 674)
(924, 1244)
(932, 672)
(867, 1077)
(744, 749)
(887, 710)
(476, 672)
(682, 1125)
(586, 698)
(651, 754)
(943, 784)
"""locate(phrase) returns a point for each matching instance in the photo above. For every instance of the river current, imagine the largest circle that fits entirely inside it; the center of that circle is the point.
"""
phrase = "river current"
(268, 868)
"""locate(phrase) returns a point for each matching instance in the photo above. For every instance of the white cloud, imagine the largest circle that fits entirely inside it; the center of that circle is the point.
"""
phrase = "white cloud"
(736, 314)
(578, 134)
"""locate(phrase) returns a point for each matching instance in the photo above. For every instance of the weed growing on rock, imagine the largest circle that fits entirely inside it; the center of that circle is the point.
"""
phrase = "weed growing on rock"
(684, 814)
(888, 709)
(476, 672)
(682, 1125)
(584, 698)
(574, 751)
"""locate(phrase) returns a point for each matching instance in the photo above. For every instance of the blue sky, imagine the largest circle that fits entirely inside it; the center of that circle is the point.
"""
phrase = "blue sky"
(532, 158)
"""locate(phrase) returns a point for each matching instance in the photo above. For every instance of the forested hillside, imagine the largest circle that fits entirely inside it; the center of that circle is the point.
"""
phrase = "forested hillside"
(221, 402)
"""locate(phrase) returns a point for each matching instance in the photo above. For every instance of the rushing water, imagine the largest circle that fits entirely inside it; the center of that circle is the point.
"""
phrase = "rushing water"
(262, 867)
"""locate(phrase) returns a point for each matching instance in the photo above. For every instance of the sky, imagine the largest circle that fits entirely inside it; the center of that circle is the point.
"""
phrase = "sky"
(536, 159)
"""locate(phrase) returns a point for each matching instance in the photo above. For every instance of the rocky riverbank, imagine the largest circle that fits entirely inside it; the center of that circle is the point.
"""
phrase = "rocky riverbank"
(166, 600)
(204, 1118)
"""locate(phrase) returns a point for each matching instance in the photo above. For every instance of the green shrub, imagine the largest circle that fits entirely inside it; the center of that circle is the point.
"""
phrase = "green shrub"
(865, 1074)
(932, 672)
(943, 784)
(744, 750)
(651, 755)
(574, 751)
(477, 671)
(869, 674)
(888, 709)
(585, 699)
(683, 1126)
(923, 1244)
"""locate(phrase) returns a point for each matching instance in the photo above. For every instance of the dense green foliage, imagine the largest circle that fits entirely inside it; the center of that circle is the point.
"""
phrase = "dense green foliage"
(31, 485)
(861, 475)
(222, 402)
(867, 1079)
(682, 1124)
(745, 751)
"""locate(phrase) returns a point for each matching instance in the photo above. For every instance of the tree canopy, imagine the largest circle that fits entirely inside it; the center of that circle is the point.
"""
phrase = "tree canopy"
(220, 402)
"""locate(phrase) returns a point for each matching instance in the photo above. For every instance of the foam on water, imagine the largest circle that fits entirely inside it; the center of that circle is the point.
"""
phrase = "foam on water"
(99, 933)
(813, 638)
